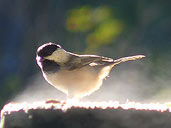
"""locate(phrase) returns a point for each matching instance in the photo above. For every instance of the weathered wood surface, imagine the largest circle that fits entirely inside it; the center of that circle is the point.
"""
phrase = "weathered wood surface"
(50, 116)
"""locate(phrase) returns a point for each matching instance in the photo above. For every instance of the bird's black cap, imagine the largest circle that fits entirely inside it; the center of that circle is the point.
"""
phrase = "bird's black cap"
(47, 49)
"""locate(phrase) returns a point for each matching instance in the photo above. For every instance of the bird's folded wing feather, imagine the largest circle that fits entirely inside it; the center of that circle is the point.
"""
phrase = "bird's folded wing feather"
(78, 61)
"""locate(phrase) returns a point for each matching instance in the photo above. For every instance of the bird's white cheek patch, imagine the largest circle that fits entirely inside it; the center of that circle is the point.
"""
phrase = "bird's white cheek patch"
(60, 56)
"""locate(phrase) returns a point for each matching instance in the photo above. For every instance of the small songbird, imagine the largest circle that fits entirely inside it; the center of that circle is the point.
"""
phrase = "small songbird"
(75, 75)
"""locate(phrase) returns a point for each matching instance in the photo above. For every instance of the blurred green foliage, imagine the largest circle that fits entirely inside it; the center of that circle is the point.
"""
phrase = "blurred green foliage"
(80, 20)
(104, 34)
(99, 22)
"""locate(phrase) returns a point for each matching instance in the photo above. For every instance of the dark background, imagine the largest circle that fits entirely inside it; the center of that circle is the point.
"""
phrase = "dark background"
(113, 28)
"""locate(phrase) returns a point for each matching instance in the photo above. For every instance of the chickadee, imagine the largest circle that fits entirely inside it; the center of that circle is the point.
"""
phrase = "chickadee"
(75, 75)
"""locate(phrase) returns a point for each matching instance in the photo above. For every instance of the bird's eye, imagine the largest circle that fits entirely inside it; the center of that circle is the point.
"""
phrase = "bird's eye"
(47, 50)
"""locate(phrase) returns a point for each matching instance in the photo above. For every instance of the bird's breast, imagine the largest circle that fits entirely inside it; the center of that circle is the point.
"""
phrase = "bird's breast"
(79, 82)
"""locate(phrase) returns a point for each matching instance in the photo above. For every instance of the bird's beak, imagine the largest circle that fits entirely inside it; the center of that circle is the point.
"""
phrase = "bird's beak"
(39, 59)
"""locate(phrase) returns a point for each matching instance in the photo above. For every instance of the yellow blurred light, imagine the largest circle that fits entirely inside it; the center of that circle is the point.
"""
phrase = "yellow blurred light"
(104, 33)
(79, 19)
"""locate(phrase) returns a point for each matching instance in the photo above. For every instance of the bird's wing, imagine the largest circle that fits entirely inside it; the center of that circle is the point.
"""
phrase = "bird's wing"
(78, 61)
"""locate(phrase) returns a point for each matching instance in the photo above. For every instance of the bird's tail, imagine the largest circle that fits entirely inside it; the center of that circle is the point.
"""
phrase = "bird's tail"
(111, 63)
(124, 59)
